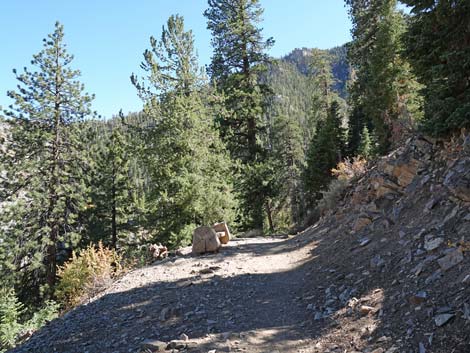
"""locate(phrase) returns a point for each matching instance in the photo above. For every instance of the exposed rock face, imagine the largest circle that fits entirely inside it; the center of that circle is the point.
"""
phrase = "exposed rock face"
(205, 239)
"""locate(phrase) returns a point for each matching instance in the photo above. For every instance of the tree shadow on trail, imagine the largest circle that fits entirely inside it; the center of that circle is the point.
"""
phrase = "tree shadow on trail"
(261, 310)
(264, 309)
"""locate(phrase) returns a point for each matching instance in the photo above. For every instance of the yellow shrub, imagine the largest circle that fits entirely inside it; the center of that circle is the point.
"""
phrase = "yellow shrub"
(86, 274)
(347, 169)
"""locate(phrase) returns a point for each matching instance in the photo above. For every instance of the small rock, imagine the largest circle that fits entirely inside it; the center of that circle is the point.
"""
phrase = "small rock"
(361, 223)
(318, 316)
(377, 261)
(365, 309)
(450, 260)
(378, 350)
(418, 298)
(176, 344)
(184, 337)
(466, 311)
(433, 244)
(441, 320)
(154, 345)
(164, 314)
(392, 349)
(422, 349)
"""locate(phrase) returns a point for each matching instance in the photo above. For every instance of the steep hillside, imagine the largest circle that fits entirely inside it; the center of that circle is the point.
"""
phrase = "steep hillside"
(387, 271)
(301, 58)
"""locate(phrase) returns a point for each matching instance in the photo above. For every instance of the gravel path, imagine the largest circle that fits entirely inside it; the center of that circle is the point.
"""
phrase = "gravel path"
(245, 298)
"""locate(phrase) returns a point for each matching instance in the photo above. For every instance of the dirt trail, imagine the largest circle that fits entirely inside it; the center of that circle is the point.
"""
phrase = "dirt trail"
(246, 298)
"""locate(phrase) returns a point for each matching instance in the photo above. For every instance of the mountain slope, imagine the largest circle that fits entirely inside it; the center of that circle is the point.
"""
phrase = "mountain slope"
(301, 58)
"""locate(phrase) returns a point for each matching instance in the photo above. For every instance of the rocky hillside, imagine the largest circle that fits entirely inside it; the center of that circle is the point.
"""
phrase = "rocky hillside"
(387, 271)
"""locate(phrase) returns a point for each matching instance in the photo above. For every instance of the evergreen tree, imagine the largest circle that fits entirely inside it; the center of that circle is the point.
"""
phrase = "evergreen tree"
(323, 155)
(288, 152)
(111, 198)
(238, 61)
(189, 170)
(46, 188)
(321, 83)
(384, 89)
(437, 44)
(365, 149)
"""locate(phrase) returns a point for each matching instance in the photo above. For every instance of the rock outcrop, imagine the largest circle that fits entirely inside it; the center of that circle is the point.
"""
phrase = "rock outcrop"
(402, 234)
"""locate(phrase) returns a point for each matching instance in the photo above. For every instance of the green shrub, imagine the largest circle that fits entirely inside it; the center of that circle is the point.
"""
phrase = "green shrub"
(48, 312)
(10, 313)
(86, 274)
(13, 328)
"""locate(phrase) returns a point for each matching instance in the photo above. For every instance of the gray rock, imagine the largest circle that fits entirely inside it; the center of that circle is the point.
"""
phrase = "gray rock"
(442, 319)
(422, 349)
(154, 345)
(433, 244)
(177, 344)
(164, 314)
(377, 262)
(450, 260)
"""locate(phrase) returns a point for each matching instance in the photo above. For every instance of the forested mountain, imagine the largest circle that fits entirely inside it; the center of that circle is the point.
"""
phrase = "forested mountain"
(302, 59)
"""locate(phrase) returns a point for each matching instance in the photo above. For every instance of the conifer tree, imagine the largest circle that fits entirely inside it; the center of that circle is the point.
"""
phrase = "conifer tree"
(365, 148)
(384, 89)
(189, 169)
(437, 44)
(46, 187)
(111, 194)
(323, 155)
(239, 59)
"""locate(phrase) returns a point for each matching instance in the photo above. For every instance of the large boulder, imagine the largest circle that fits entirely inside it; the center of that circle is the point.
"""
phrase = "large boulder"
(205, 239)
(222, 232)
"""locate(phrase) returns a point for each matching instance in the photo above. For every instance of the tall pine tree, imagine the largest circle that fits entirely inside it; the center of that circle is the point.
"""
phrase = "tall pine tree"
(111, 188)
(324, 153)
(438, 45)
(239, 59)
(188, 166)
(384, 91)
(46, 187)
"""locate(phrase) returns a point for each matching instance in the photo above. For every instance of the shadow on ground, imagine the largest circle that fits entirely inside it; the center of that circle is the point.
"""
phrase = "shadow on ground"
(259, 311)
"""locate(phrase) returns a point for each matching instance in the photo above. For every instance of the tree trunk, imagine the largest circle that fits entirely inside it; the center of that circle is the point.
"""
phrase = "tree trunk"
(113, 218)
(270, 216)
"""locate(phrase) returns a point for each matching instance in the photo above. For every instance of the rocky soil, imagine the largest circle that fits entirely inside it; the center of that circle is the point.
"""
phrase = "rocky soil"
(387, 271)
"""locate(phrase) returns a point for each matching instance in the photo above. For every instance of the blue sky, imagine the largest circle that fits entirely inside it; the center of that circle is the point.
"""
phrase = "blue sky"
(108, 37)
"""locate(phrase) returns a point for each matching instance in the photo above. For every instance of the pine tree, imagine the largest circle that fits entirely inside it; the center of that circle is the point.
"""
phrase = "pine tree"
(384, 90)
(189, 169)
(238, 61)
(437, 44)
(111, 194)
(289, 155)
(45, 166)
(365, 148)
(323, 155)
(322, 81)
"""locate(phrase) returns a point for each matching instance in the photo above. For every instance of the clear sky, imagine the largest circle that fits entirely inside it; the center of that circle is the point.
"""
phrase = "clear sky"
(108, 37)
